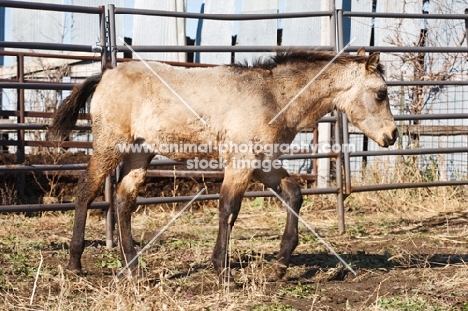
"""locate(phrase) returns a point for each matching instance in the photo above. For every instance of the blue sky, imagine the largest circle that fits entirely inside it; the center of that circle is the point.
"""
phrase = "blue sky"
(191, 24)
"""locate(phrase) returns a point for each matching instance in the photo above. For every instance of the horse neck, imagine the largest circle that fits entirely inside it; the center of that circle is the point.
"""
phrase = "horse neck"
(315, 101)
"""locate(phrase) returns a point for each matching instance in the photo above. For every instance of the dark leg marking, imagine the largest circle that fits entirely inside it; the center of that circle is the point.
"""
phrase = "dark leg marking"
(232, 191)
(89, 186)
(290, 191)
(133, 175)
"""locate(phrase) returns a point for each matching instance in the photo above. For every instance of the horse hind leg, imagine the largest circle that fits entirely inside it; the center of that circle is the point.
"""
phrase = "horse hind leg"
(89, 185)
(133, 174)
(290, 191)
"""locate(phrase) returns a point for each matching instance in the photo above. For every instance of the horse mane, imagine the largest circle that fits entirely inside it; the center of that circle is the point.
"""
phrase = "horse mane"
(303, 56)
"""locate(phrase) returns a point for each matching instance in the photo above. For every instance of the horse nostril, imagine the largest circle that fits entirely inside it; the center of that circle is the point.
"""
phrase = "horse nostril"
(395, 134)
(390, 140)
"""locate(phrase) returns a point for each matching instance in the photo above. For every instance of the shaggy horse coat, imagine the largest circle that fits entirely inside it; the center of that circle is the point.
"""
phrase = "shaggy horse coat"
(131, 105)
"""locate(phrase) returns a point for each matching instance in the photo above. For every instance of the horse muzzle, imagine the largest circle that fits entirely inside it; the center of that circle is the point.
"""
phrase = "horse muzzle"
(389, 140)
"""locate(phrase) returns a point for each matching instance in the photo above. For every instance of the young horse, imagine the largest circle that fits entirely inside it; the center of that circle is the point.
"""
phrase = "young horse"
(131, 105)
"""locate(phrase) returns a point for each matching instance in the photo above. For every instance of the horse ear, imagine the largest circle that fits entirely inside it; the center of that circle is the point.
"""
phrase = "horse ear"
(361, 52)
(373, 62)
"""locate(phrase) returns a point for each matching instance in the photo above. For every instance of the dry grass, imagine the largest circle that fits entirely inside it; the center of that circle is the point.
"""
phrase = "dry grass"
(408, 246)
(418, 200)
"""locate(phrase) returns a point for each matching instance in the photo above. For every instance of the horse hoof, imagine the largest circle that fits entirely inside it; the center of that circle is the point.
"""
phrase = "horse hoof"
(229, 284)
(280, 270)
(74, 269)
(226, 280)
(134, 274)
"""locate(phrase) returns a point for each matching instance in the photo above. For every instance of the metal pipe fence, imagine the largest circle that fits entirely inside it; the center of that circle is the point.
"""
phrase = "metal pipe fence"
(109, 47)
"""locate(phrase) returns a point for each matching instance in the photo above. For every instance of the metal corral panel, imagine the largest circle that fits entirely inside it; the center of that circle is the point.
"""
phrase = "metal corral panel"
(216, 32)
(258, 32)
(301, 31)
(433, 134)
(446, 32)
(437, 35)
(32, 26)
(397, 32)
(448, 99)
(360, 27)
(303, 141)
(155, 30)
(390, 30)
(86, 29)
(314, 31)
(38, 26)
(2, 32)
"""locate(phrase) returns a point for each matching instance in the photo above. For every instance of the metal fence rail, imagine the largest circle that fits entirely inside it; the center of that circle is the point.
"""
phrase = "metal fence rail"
(109, 48)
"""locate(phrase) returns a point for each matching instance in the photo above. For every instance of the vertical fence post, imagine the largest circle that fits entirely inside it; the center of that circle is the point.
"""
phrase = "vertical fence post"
(103, 38)
(339, 173)
(20, 152)
(108, 197)
(466, 28)
(332, 23)
(314, 166)
(341, 129)
(324, 129)
(346, 157)
(112, 35)
(466, 40)
(344, 121)
(108, 187)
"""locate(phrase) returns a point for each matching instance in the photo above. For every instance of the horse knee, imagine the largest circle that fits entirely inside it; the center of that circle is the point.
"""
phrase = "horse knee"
(127, 189)
(290, 190)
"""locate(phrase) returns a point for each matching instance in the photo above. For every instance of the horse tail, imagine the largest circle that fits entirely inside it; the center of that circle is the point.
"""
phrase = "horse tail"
(67, 113)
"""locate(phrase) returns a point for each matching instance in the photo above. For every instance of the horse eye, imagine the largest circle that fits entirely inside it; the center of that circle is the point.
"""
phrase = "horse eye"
(381, 95)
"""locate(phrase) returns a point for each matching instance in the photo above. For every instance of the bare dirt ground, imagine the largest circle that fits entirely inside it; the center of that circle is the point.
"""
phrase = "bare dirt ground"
(410, 252)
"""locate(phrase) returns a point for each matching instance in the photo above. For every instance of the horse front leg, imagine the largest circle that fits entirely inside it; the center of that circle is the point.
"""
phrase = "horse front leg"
(232, 191)
(290, 191)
